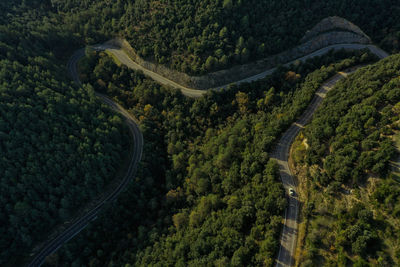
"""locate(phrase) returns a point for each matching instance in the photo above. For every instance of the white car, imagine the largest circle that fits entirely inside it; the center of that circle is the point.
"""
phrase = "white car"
(291, 192)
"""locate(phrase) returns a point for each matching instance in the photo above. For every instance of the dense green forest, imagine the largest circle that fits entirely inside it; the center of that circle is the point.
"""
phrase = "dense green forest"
(59, 147)
(200, 36)
(352, 203)
(207, 191)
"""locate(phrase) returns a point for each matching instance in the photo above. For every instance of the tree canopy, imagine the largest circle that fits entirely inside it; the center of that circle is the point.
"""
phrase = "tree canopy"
(207, 191)
(352, 193)
(201, 36)
(59, 147)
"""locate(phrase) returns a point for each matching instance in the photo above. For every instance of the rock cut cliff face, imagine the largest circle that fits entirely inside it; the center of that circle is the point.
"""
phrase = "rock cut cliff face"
(331, 24)
(330, 38)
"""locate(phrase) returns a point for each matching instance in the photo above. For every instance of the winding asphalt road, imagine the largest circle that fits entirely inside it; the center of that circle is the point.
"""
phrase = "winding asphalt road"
(281, 155)
(82, 222)
(126, 60)
(281, 152)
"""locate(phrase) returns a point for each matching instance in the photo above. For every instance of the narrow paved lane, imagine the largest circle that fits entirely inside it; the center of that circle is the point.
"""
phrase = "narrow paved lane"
(126, 60)
(82, 222)
(281, 155)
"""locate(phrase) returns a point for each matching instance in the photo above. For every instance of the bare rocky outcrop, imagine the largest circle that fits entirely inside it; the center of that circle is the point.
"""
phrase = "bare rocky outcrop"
(333, 24)
(330, 31)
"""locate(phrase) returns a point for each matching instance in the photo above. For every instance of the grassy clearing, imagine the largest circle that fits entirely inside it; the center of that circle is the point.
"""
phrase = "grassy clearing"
(396, 163)
(116, 60)
(318, 242)
(297, 151)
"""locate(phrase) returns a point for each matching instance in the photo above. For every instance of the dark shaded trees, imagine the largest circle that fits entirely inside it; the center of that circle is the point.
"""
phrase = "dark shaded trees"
(59, 147)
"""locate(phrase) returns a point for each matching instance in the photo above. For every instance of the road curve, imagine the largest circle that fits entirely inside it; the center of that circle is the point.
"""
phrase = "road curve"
(281, 155)
(281, 152)
(126, 60)
(82, 222)
(289, 234)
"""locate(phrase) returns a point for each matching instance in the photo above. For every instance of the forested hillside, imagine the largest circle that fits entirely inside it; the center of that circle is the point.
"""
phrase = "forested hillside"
(206, 190)
(352, 198)
(59, 147)
(200, 36)
(208, 193)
